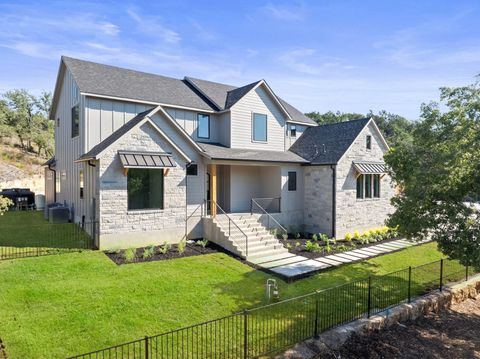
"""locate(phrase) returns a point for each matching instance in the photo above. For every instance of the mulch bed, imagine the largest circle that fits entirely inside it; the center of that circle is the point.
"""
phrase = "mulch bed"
(451, 334)
(192, 249)
(301, 251)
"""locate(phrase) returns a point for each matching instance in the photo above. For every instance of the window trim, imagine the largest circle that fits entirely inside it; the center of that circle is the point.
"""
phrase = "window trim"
(74, 135)
(198, 125)
(253, 127)
(363, 186)
(368, 144)
(292, 187)
(130, 210)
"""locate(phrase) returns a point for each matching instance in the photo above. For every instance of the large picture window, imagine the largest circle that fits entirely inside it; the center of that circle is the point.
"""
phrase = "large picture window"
(145, 188)
(203, 130)
(368, 186)
(259, 127)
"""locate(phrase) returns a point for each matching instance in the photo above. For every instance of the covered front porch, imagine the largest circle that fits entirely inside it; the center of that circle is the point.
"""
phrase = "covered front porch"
(245, 188)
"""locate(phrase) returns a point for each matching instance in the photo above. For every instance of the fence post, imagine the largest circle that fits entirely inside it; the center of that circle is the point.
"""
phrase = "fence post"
(409, 284)
(245, 334)
(441, 274)
(369, 302)
(316, 316)
(146, 347)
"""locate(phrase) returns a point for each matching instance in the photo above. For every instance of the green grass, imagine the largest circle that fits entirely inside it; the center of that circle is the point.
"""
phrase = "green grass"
(32, 233)
(55, 306)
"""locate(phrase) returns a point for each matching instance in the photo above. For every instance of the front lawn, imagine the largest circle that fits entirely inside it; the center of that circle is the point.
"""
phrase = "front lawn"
(56, 306)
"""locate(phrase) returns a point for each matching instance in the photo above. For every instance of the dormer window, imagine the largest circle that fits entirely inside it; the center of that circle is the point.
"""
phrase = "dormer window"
(369, 142)
(203, 130)
(293, 131)
(259, 127)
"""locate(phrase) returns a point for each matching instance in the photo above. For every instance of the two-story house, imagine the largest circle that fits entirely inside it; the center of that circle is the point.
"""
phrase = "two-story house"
(155, 159)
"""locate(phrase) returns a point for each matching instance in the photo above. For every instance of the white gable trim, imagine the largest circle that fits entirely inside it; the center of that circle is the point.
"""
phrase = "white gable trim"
(364, 127)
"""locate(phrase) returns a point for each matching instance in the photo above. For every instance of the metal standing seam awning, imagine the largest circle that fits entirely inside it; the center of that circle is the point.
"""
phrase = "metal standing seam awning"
(135, 159)
(369, 167)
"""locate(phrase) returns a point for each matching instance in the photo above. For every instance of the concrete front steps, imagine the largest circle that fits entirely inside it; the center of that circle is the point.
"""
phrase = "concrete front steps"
(261, 243)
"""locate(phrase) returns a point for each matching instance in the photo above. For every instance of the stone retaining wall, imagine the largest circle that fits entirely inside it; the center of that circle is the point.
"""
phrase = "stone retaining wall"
(435, 302)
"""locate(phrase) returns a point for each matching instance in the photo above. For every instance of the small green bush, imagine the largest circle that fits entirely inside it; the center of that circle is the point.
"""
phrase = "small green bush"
(297, 244)
(315, 237)
(288, 246)
(298, 235)
(285, 236)
(324, 238)
(348, 237)
(356, 235)
(164, 248)
(148, 252)
(203, 243)
(181, 246)
(130, 254)
(312, 246)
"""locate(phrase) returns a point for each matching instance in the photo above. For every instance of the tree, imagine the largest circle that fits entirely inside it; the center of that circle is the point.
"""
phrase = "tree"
(4, 204)
(26, 116)
(437, 172)
(395, 128)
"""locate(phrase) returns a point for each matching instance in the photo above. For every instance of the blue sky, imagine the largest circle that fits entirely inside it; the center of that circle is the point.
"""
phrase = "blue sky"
(318, 55)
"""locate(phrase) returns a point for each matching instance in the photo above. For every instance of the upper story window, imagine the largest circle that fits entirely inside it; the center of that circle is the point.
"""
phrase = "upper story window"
(145, 188)
(259, 127)
(293, 131)
(369, 142)
(192, 169)
(292, 181)
(75, 120)
(203, 130)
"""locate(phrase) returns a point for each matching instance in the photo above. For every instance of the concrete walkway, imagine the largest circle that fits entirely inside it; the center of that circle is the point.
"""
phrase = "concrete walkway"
(291, 266)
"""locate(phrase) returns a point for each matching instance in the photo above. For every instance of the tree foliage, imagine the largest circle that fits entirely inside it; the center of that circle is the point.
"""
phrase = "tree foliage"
(395, 128)
(25, 116)
(5, 203)
(438, 174)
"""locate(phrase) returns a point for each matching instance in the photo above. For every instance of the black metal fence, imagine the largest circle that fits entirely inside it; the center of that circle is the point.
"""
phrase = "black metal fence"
(27, 240)
(270, 329)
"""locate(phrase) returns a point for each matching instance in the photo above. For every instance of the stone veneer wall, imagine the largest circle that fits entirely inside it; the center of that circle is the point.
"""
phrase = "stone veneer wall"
(361, 214)
(120, 227)
(318, 199)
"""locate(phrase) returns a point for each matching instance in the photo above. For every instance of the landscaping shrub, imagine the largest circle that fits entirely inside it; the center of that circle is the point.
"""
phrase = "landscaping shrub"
(285, 236)
(203, 243)
(163, 249)
(312, 246)
(348, 237)
(356, 235)
(148, 252)
(315, 237)
(130, 254)
(181, 246)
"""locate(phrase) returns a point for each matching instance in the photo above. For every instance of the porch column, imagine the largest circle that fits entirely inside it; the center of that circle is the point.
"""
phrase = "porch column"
(213, 190)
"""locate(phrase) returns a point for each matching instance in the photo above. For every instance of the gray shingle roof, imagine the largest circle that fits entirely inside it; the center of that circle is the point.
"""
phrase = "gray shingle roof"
(235, 95)
(326, 144)
(220, 152)
(96, 150)
(113, 81)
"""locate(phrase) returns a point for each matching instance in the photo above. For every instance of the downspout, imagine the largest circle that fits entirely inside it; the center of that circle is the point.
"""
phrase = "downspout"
(54, 183)
(334, 200)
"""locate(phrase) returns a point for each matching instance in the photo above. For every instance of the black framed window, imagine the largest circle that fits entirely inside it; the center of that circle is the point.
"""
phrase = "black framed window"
(75, 120)
(145, 188)
(369, 142)
(203, 130)
(360, 186)
(80, 176)
(376, 186)
(192, 169)
(292, 181)
(368, 186)
(259, 127)
(293, 131)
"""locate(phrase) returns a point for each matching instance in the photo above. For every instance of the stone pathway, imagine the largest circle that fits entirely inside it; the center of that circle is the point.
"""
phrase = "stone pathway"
(291, 266)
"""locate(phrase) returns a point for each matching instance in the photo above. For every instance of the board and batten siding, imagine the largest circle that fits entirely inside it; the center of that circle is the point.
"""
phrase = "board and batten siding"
(68, 149)
(188, 120)
(257, 101)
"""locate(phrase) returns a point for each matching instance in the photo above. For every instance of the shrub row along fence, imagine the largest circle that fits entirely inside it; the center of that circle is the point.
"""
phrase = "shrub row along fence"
(269, 329)
(43, 239)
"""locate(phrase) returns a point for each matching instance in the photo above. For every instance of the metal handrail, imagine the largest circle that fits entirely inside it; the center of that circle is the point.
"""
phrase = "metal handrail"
(268, 215)
(230, 221)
